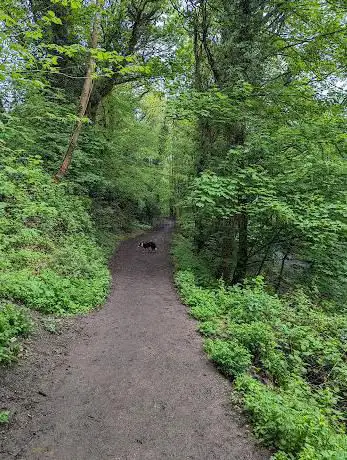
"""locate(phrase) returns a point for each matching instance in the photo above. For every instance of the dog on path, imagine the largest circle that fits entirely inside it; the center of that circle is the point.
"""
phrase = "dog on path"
(148, 245)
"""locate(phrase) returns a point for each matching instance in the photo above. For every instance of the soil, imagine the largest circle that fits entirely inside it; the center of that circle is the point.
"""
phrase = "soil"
(129, 381)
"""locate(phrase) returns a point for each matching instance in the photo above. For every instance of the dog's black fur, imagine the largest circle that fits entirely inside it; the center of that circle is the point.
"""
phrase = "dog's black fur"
(148, 245)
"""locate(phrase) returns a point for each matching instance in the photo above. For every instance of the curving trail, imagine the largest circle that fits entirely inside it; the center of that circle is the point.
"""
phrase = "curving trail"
(135, 385)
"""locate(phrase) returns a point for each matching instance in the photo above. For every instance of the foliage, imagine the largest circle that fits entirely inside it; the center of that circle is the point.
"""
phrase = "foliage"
(14, 322)
(286, 355)
(293, 421)
(269, 119)
(287, 211)
(4, 416)
(55, 238)
(186, 259)
(231, 357)
(50, 324)
(45, 265)
(229, 114)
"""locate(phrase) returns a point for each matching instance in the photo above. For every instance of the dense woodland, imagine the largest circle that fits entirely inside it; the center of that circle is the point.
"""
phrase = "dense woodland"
(228, 115)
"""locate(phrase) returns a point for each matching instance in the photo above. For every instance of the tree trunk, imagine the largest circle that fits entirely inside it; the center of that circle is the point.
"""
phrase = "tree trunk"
(264, 259)
(267, 248)
(197, 57)
(84, 99)
(242, 259)
(229, 250)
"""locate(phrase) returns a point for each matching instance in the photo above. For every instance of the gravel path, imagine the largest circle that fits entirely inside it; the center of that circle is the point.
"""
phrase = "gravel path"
(132, 383)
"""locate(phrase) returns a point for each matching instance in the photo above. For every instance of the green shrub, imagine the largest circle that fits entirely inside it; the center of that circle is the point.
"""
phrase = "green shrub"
(260, 340)
(230, 356)
(249, 305)
(210, 328)
(205, 303)
(185, 280)
(288, 356)
(292, 421)
(49, 258)
(13, 322)
(4, 416)
(185, 256)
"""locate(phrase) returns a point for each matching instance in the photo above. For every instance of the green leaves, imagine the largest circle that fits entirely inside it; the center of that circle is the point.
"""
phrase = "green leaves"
(74, 4)
(248, 189)
(4, 416)
(44, 263)
(14, 322)
(231, 357)
(214, 194)
(51, 18)
(285, 356)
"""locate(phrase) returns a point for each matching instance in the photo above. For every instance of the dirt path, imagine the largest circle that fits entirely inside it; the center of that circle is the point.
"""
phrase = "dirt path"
(132, 384)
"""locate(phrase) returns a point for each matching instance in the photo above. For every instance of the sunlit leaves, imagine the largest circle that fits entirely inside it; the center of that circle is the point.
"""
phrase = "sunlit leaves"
(74, 4)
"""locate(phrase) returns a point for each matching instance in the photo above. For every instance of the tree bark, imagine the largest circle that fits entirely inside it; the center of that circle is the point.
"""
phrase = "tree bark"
(264, 259)
(140, 18)
(84, 99)
(209, 55)
(242, 259)
(197, 56)
(229, 250)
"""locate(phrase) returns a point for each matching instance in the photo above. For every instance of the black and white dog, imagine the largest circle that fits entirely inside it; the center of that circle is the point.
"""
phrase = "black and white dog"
(149, 245)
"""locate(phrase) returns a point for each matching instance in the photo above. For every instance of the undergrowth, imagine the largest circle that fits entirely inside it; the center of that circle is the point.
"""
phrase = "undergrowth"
(285, 355)
(56, 238)
(49, 257)
(14, 322)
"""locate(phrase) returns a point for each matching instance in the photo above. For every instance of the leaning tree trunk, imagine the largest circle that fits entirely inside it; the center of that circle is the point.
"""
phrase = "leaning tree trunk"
(84, 99)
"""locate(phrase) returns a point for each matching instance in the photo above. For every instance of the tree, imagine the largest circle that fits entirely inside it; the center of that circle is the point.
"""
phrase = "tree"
(250, 58)
(84, 99)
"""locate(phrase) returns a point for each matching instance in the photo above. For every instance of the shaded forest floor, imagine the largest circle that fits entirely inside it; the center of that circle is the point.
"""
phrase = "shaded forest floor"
(129, 381)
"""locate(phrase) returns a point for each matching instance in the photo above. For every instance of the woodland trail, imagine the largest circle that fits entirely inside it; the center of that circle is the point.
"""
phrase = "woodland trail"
(132, 383)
